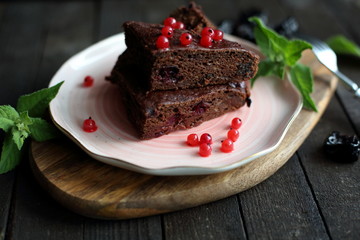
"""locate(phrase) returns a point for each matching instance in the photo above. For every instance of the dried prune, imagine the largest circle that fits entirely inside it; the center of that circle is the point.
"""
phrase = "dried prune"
(342, 148)
(287, 27)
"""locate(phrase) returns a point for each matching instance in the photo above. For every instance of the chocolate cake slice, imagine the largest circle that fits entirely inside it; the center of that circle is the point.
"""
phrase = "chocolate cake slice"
(182, 67)
(193, 17)
(156, 113)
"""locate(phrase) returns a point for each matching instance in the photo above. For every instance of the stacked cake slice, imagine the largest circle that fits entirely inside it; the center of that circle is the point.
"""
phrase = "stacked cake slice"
(180, 87)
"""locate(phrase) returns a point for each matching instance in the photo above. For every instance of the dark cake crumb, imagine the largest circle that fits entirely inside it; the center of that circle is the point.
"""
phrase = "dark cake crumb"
(182, 67)
(157, 113)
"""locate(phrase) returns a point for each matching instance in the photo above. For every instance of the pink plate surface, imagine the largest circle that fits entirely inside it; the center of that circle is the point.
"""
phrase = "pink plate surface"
(275, 104)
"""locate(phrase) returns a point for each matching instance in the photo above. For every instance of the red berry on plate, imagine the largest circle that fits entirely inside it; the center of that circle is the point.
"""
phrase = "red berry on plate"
(185, 39)
(205, 149)
(236, 123)
(179, 25)
(162, 42)
(88, 81)
(206, 138)
(227, 146)
(192, 140)
(167, 31)
(89, 125)
(218, 35)
(233, 135)
(207, 31)
(170, 21)
(206, 41)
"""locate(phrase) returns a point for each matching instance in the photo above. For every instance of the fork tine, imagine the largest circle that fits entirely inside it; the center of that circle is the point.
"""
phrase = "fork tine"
(318, 45)
(328, 58)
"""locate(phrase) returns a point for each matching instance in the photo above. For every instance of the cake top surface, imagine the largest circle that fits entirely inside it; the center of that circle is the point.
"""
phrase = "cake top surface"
(147, 34)
(192, 16)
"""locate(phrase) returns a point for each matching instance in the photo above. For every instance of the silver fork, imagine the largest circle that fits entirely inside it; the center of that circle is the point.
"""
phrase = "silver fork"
(327, 57)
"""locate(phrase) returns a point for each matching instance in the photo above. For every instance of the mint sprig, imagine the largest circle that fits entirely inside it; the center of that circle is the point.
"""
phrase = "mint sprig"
(23, 122)
(282, 60)
(340, 44)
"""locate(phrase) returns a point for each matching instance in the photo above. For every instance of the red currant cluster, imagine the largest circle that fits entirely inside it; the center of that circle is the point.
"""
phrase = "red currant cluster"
(167, 32)
(204, 143)
(209, 35)
(205, 140)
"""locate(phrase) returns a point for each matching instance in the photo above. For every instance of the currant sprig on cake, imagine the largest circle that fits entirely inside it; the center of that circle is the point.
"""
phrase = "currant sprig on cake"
(185, 39)
(208, 35)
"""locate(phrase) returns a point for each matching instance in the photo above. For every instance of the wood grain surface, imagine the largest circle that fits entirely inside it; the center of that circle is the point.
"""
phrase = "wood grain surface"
(309, 197)
(94, 189)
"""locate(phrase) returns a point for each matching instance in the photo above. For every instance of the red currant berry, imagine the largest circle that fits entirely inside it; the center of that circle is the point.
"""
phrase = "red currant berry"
(233, 135)
(207, 31)
(205, 149)
(218, 35)
(179, 25)
(89, 125)
(192, 140)
(236, 123)
(88, 81)
(206, 138)
(162, 42)
(185, 39)
(170, 21)
(167, 31)
(227, 146)
(206, 41)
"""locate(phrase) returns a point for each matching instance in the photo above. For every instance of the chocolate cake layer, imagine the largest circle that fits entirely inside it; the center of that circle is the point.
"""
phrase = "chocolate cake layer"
(156, 113)
(181, 67)
(193, 17)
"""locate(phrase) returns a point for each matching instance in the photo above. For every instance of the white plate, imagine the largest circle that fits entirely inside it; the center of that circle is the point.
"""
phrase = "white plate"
(275, 104)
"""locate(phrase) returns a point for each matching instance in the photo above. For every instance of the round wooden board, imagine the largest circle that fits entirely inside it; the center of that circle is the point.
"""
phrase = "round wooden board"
(97, 190)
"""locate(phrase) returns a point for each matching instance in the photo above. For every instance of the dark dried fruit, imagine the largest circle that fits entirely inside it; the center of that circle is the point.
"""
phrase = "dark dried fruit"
(201, 107)
(243, 28)
(342, 148)
(226, 26)
(175, 119)
(287, 27)
(169, 74)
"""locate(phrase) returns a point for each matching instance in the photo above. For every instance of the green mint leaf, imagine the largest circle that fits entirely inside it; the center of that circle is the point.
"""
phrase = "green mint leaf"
(302, 78)
(41, 130)
(342, 45)
(25, 119)
(267, 68)
(21, 129)
(36, 103)
(282, 55)
(8, 112)
(293, 51)
(270, 43)
(19, 137)
(10, 155)
(6, 124)
(277, 47)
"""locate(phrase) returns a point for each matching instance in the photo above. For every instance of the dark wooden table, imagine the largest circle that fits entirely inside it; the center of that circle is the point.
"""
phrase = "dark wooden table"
(309, 198)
